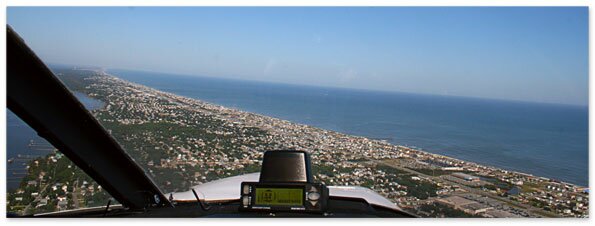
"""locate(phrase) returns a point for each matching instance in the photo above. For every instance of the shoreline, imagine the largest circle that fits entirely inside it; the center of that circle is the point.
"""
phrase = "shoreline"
(89, 103)
(380, 141)
(163, 132)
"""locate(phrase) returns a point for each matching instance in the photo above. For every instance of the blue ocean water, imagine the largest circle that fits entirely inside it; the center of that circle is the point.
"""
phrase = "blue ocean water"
(18, 137)
(542, 139)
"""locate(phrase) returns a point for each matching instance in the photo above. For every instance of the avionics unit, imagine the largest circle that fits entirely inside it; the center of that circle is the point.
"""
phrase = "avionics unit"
(285, 184)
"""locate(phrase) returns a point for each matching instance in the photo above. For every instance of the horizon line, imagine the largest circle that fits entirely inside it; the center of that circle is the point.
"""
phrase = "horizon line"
(334, 87)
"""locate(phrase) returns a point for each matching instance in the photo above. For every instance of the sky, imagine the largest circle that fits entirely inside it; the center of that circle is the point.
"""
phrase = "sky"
(514, 53)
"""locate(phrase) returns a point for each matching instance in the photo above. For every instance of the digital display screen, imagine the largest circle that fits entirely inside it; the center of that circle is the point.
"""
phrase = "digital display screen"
(280, 196)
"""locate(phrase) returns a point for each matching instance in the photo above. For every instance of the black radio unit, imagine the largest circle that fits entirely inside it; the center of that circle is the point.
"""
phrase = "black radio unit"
(285, 184)
(275, 197)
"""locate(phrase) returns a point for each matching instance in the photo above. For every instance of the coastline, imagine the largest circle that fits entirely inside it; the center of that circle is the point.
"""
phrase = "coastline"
(36, 146)
(378, 141)
(539, 139)
(163, 132)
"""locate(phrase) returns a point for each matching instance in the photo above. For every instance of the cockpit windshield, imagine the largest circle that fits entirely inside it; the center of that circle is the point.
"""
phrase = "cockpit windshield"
(439, 112)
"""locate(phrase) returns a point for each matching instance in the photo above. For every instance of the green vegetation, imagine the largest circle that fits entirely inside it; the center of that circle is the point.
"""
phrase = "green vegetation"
(74, 80)
(420, 189)
(538, 203)
(530, 187)
(323, 169)
(502, 185)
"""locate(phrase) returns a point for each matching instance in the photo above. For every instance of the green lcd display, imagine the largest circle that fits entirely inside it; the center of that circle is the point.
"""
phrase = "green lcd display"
(279, 196)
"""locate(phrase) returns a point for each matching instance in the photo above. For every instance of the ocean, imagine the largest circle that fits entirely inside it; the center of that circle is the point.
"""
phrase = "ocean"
(549, 140)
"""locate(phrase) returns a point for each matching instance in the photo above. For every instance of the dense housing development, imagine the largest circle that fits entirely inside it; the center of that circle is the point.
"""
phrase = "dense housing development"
(182, 142)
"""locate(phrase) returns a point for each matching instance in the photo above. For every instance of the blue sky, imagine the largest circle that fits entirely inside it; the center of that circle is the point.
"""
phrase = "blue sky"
(529, 54)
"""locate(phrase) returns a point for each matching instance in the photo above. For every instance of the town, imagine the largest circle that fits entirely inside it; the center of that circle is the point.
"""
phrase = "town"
(182, 142)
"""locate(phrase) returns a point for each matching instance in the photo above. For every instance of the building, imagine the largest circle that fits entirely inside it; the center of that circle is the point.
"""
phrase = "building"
(475, 208)
(466, 205)
(466, 177)
(455, 201)
(453, 168)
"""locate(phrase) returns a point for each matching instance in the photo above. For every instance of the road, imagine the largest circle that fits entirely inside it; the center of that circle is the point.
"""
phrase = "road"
(41, 194)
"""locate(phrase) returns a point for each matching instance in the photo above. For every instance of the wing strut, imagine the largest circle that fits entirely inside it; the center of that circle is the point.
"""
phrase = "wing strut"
(43, 102)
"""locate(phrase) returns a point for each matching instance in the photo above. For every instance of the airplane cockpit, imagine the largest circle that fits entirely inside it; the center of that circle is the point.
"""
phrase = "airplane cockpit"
(284, 187)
